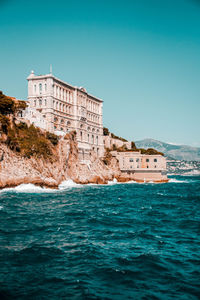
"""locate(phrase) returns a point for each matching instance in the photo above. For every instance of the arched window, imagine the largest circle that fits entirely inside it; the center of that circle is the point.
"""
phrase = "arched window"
(81, 134)
(45, 87)
(92, 139)
(62, 121)
(35, 88)
(40, 101)
(97, 140)
(68, 123)
(56, 105)
(88, 137)
(45, 102)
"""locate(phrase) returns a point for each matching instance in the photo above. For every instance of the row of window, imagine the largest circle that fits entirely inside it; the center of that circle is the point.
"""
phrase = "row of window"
(93, 118)
(131, 167)
(63, 94)
(62, 121)
(39, 88)
(90, 138)
(88, 128)
(89, 104)
(137, 160)
(40, 102)
(63, 107)
(132, 160)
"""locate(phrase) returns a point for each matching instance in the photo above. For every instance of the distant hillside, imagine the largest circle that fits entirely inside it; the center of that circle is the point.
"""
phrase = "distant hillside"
(180, 152)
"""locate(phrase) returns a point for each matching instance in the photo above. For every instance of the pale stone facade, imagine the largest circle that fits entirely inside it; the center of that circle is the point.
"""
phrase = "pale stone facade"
(65, 108)
(142, 167)
(109, 142)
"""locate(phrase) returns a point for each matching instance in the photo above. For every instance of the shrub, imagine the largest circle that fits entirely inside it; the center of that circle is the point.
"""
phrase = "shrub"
(105, 131)
(7, 105)
(133, 146)
(52, 138)
(4, 122)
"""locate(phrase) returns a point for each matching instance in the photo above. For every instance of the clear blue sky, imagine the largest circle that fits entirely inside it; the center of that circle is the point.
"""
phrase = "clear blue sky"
(141, 56)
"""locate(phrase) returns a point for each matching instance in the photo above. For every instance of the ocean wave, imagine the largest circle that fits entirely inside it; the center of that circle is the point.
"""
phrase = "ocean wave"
(66, 184)
(174, 180)
(32, 188)
(28, 188)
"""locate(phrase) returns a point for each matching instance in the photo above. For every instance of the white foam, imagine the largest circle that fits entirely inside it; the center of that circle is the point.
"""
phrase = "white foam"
(1, 207)
(28, 188)
(68, 184)
(173, 180)
(114, 181)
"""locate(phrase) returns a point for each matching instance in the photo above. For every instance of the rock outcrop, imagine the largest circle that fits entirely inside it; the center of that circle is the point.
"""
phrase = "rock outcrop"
(63, 165)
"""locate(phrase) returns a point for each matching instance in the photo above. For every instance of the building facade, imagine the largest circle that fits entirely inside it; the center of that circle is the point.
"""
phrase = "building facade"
(66, 108)
(142, 167)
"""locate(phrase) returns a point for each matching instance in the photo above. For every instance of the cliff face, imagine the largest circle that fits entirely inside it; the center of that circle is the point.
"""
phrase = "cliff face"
(63, 165)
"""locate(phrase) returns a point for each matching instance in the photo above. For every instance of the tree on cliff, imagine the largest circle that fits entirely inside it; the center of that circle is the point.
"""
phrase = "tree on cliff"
(7, 105)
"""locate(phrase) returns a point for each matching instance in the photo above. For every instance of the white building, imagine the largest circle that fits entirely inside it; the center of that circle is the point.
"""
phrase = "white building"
(65, 108)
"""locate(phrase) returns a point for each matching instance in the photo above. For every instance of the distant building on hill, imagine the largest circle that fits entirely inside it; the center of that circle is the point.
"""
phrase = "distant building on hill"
(61, 107)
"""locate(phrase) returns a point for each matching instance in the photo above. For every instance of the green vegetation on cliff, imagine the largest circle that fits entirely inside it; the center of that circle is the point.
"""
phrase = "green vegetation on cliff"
(18, 136)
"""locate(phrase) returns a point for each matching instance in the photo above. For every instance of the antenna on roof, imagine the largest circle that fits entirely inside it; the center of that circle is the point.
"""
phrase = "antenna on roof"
(50, 69)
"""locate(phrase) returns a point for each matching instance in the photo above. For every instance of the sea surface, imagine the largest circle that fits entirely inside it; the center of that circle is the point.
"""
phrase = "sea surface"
(120, 241)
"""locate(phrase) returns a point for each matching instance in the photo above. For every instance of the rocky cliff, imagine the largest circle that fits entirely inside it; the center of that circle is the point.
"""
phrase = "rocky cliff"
(64, 164)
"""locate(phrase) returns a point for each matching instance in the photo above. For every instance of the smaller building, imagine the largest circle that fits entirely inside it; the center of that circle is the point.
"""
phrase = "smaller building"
(109, 142)
(142, 167)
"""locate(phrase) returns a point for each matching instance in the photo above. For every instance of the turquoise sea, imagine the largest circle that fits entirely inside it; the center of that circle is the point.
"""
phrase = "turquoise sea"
(120, 241)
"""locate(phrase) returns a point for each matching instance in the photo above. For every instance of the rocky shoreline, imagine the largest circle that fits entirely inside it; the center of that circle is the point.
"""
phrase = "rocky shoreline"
(63, 165)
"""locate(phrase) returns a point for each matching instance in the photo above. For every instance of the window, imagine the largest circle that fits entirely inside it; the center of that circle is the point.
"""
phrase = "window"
(81, 135)
(155, 159)
(34, 102)
(155, 166)
(147, 160)
(147, 167)
(45, 102)
(40, 87)
(35, 87)
(92, 139)
(40, 102)
(97, 140)
(131, 160)
(137, 160)
(137, 166)
(88, 137)
(45, 87)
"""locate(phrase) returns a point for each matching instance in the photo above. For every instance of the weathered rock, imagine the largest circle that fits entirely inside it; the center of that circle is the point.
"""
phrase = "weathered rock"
(65, 164)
